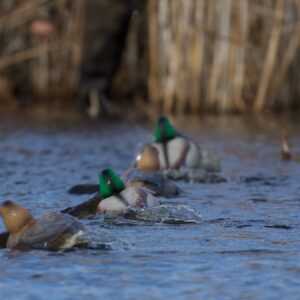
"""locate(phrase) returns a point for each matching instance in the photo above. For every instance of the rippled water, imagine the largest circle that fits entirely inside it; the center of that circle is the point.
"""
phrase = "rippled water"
(248, 246)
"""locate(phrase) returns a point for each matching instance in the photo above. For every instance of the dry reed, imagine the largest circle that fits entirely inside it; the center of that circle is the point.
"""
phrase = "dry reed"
(44, 64)
(223, 55)
(202, 55)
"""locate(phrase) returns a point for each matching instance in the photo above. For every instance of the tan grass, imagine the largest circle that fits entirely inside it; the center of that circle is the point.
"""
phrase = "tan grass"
(51, 65)
(222, 55)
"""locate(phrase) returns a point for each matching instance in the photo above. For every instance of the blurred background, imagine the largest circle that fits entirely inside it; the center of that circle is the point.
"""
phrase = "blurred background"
(150, 56)
(226, 72)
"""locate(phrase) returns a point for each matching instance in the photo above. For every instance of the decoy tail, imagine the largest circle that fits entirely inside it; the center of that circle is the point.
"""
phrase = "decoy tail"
(81, 189)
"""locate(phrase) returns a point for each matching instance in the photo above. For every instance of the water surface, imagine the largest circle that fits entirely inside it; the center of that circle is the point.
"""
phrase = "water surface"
(247, 248)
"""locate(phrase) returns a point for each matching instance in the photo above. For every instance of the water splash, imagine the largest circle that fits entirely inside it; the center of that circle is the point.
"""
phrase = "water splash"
(166, 213)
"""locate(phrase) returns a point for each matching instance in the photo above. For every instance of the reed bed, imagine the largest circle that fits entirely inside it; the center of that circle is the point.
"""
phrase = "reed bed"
(41, 46)
(223, 55)
(181, 55)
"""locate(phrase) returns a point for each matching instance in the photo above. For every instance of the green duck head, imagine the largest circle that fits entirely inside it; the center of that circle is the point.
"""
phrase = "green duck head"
(109, 183)
(164, 131)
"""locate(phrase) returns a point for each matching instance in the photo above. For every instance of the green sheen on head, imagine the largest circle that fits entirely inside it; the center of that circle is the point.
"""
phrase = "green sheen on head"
(109, 183)
(164, 131)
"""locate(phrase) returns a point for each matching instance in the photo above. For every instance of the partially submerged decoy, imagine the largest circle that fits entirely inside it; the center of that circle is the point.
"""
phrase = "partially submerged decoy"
(52, 231)
(147, 174)
(113, 198)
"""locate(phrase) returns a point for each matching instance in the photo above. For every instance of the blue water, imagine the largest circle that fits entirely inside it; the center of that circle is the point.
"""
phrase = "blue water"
(248, 246)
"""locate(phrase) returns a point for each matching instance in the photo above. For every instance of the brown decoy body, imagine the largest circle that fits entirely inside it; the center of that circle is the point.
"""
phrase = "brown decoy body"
(147, 174)
(52, 231)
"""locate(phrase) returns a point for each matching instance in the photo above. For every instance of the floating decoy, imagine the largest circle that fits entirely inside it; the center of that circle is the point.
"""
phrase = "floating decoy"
(52, 231)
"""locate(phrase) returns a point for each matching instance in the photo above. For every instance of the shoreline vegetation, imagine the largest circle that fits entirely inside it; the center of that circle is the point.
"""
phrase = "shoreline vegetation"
(158, 56)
